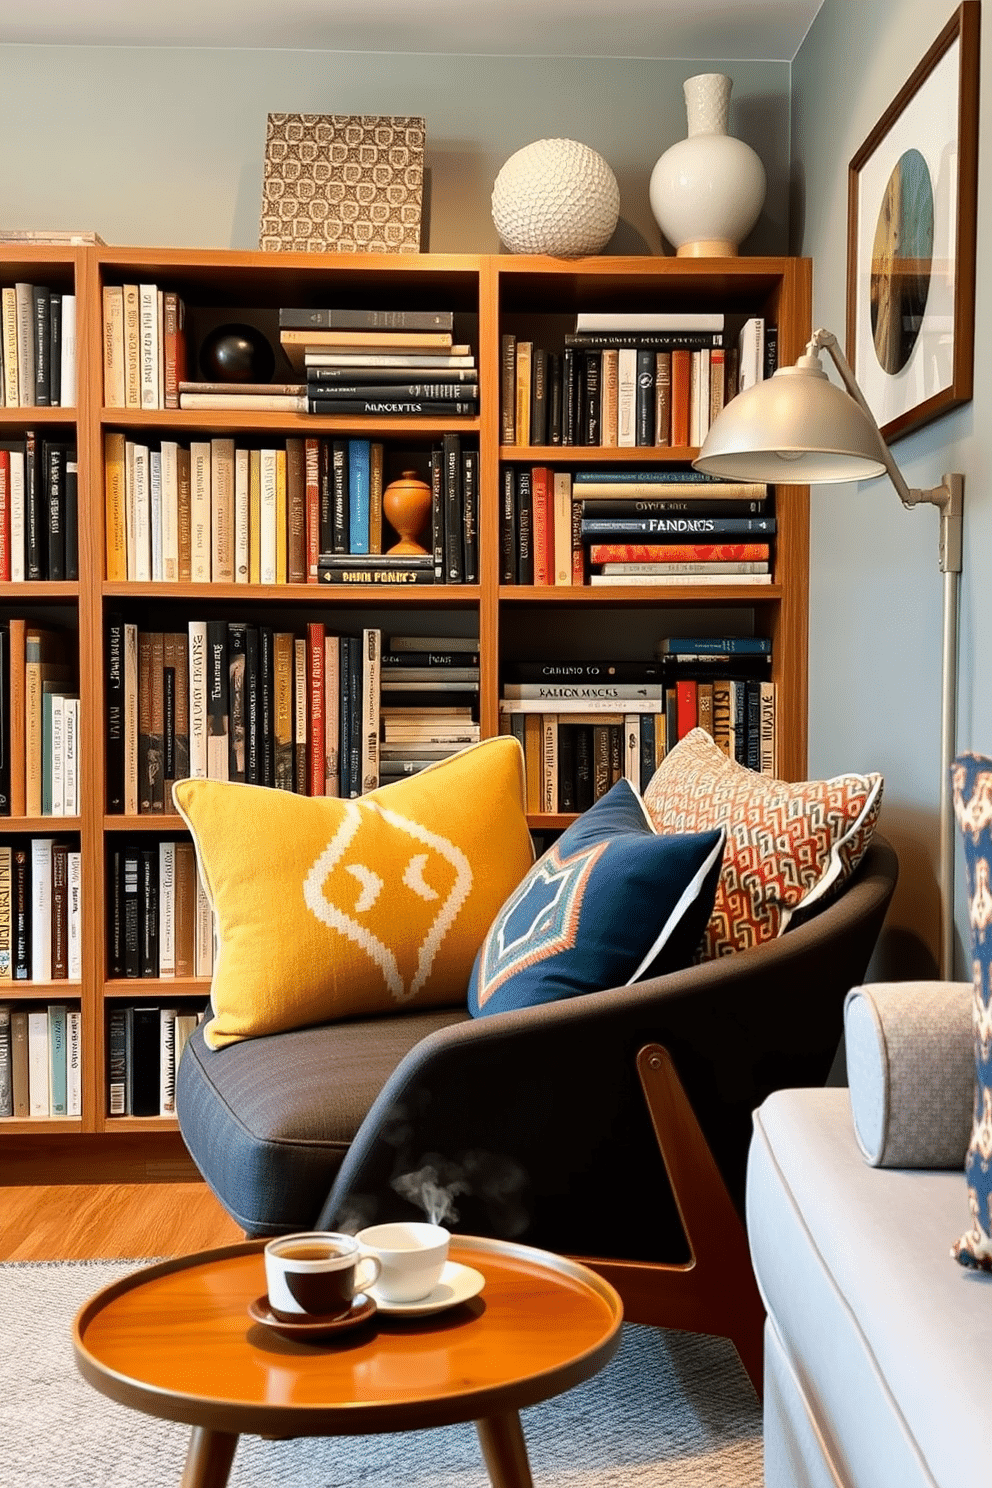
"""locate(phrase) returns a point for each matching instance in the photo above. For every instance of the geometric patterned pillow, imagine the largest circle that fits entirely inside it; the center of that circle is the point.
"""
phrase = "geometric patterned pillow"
(328, 908)
(789, 844)
(609, 904)
(971, 785)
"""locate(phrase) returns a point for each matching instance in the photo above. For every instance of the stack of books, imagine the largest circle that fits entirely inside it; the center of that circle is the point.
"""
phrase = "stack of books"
(668, 526)
(289, 397)
(144, 346)
(38, 347)
(430, 701)
(40, 1061)
(381, 362)
(632, 526)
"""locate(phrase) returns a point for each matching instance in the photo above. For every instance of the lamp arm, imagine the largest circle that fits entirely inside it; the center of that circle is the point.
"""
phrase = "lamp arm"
(948, 497)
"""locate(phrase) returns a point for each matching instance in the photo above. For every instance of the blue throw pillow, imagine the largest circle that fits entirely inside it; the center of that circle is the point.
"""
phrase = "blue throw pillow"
(971, 785)
(610, 903)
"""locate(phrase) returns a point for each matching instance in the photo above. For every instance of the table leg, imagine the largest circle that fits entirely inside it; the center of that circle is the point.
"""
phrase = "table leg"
(208, 1458)
(505, 1451)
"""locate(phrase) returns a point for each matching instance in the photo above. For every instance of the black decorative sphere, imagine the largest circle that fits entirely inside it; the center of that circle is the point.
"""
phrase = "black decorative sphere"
(236, 353)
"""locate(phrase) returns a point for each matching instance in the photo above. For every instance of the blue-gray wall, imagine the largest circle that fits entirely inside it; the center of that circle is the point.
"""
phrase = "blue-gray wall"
(875, 591)
(164, 147)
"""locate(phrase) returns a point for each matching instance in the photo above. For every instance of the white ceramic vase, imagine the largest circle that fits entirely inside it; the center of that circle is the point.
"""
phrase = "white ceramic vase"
(707, 191)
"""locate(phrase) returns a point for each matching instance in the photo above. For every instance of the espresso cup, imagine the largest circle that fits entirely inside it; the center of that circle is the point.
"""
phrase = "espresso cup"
(316, 1274)
(411, 1256)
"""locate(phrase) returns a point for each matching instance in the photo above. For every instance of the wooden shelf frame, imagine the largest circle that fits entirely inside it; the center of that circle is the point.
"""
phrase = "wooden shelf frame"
(489, 294)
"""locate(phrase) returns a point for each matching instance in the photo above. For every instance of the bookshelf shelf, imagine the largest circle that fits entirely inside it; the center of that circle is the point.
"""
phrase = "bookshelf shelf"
(578, 455)
(38, 591)
(489, 296)
(240, 420)
(438, 595)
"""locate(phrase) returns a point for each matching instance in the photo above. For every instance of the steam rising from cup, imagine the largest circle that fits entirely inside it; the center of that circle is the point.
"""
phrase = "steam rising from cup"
(426, 1189)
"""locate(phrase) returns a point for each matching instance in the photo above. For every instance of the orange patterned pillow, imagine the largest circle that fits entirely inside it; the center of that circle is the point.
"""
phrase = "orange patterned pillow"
(788, 843)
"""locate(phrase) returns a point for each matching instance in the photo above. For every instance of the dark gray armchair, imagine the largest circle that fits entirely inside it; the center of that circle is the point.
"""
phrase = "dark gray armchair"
(612, 1127)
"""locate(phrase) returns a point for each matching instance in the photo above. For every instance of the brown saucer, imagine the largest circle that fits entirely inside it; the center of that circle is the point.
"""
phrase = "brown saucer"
(362, 1308)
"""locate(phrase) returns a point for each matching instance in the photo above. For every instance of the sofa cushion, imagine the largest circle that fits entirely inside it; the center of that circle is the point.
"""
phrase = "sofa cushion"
(911, 1072)
(609, 903)
(971, 778)
(883, 1337)
(327, 908)
(269, 1120)
(789, 844)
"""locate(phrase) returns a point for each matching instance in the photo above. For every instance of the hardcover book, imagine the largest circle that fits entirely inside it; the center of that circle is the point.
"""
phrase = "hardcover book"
(342, 183)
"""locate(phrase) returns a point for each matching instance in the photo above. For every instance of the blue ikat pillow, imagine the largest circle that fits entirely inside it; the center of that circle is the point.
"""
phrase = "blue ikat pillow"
(971, 787)
(610, 903)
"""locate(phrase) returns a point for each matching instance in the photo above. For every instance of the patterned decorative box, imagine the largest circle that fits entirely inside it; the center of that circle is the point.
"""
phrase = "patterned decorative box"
(342, 183)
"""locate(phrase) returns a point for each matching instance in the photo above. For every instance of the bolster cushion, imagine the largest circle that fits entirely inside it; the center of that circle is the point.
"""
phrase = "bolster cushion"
(911, 1072)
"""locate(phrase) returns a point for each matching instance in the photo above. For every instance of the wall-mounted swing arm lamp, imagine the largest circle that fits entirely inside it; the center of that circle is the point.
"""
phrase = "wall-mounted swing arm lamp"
(799, 428)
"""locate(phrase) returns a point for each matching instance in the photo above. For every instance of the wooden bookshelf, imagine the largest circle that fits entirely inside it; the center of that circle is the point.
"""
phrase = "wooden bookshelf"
(488, 295)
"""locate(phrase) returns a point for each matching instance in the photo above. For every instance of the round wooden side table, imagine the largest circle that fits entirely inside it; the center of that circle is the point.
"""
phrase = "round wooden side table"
(175, 1340)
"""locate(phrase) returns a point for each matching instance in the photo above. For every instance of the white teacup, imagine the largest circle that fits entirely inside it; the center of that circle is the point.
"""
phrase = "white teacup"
(411, 1256)
(317, 1273)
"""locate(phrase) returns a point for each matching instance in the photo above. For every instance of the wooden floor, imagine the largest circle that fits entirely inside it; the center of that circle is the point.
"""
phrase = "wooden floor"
(108, 1221)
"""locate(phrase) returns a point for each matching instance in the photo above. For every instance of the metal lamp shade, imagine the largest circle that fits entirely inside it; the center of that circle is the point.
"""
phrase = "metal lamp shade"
(796, 427)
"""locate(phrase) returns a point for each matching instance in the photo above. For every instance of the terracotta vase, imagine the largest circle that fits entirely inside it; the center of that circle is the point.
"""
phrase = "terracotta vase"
(406, 503)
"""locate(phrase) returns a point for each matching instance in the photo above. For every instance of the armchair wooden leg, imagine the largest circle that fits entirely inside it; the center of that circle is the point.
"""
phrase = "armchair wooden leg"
(715, 1290)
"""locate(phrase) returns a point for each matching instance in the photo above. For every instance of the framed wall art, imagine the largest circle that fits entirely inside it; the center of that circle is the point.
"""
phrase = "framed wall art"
(912, 202)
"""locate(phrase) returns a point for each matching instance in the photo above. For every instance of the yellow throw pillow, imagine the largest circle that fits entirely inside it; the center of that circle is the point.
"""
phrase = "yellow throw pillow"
(328, 908)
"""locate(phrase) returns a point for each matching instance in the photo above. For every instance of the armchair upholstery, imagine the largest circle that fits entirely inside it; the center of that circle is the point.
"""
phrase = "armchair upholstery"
(539, 1119)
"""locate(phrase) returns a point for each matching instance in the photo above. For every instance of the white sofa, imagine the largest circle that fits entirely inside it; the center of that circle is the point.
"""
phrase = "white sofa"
(877, 1342)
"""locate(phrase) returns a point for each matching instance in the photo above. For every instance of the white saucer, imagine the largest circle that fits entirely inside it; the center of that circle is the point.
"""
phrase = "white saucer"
(458, 1283)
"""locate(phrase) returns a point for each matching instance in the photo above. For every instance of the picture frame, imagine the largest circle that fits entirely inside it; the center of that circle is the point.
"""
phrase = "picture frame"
(911, 235)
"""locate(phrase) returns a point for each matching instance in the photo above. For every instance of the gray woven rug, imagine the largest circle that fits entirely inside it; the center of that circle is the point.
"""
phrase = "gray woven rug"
(670, 1408)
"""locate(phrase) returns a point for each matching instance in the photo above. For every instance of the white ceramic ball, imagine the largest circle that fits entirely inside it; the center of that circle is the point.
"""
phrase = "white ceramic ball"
(558, 197)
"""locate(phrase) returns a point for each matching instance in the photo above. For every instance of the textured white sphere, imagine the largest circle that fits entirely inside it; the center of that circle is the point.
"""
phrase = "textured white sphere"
(556, 196)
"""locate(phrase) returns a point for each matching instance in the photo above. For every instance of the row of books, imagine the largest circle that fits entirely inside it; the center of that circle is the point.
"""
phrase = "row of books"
(582, 722)
(159, 924)
(579, 743)
(572, 759)
(39, 721)
(231, 700)
(632, 527)
(40, 911)
(212, 511)
(628, 381)
(37, 347)
(144, 1046)
(39, 509)
(144, 346)
(40, 1061)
